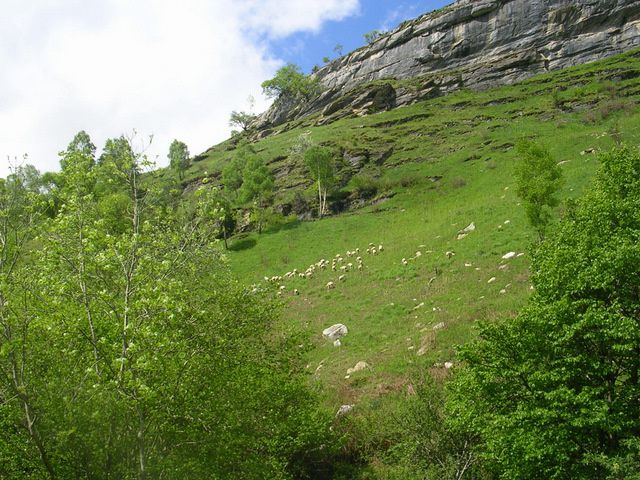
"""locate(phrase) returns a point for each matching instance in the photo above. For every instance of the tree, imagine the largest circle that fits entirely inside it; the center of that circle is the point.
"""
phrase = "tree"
(289, 82)
(538, 179)
(179, 157)
(128, 351)
(241, 120)
(554, 392)
(320, 164)
(338, 49)
(326, 59)
(372, 36)
(257, 188)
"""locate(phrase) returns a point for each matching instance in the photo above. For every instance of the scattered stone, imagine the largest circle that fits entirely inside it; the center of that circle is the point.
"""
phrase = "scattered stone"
(448, 365)
(334, 332)
(358, 367)
(491, 280)
(343, 410)
(521, 254)
(466, 231)
(503, 291)
(422, 350)
(438, 326)
(449, 254)
(503, 267)
(467, 264)
(337, 343)
(421, 304)
(509, 255)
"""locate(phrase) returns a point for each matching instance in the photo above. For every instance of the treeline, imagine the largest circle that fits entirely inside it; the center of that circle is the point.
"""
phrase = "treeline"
(126, 348)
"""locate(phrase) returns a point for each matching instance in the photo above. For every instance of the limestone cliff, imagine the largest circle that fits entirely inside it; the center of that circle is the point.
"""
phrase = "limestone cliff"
(471, 43)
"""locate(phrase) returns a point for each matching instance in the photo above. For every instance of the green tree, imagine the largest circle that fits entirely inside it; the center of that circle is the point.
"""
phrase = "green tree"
(289, 82)
(554, 392)
(257, 188)
(179, 158)
(338, 49)
(321, 167)
(538, 179)
(241, 120)
(372, 36)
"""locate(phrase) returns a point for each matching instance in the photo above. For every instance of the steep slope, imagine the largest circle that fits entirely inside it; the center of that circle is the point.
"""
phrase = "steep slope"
(450, 163)
(471, 44)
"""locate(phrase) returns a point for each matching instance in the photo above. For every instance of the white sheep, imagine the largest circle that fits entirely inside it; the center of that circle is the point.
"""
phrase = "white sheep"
(331, 285)
(380, 248)
(342, 278)
(449, 254)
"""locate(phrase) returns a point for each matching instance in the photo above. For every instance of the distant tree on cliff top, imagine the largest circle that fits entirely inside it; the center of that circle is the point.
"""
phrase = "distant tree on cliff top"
(290, 82)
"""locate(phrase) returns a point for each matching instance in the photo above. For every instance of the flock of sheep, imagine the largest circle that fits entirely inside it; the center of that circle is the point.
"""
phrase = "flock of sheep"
(338, 264)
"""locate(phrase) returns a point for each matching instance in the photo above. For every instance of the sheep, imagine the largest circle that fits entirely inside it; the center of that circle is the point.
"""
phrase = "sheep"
(359, 266)
(331, 285)
(342, 278)
(418, 254)
(374, 251)
(296, 292)
(404, 262)
(449, 254)
(380, 248)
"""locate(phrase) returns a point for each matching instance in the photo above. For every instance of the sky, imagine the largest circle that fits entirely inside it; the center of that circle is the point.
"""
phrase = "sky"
(160, 68)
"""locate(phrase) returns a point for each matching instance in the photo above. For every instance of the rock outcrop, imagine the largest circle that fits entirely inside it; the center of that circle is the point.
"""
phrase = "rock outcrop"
(471, 43)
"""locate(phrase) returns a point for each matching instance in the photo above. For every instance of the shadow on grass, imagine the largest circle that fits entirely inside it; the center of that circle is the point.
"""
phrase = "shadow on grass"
(283, 226)
(242, 244)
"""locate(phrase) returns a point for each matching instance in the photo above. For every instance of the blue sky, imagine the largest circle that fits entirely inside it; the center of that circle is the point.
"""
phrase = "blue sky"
(308, 48)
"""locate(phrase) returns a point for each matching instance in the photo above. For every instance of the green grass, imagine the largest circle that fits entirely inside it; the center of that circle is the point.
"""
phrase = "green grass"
(465, 138)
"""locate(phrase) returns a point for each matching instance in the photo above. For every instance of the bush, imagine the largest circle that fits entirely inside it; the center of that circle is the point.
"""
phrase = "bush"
(365, 186)
(554, 392)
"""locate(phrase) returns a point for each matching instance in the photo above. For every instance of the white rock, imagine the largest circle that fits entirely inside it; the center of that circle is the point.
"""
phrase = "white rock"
(358, 367)
(509, 255)
(337, 343)
(344, 409)
(439, 326)
(491, 280)
(334, 332)
(448, 365)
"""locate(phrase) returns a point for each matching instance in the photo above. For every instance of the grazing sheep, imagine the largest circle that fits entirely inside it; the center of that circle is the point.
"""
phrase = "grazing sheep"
(374, 251)
(342, 278)
(296, 292)
(418, 254)
(404, 262)
(331, 285)
(449, 254)
(380, 248)
(359, 266)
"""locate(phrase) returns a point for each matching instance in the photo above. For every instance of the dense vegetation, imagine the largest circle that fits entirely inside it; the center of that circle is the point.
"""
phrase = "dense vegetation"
(127, 349)
(133, 346)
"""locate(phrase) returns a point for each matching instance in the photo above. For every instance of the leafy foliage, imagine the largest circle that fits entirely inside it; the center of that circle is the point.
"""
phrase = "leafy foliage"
(538, 179)
(126, 348)
(321, 166)
(290, 82)
(372, 36)
(179, 157)
(557, 387)
(241, 120)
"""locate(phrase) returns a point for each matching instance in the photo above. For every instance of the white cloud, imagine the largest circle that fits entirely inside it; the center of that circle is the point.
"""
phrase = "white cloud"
(175, 70)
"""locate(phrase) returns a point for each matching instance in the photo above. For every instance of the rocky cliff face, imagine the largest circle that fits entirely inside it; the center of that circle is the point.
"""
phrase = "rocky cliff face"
(473, 44)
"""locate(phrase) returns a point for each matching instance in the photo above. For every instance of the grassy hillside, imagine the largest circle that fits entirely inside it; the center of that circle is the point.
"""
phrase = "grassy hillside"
(451, 164)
